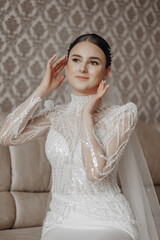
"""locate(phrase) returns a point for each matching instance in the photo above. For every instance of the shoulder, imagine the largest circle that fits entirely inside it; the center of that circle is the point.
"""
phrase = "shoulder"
(129, 111)
(125, 115)
(116, 116)
(104, 110)
(128, 108)
(49, 105)
(113, 113)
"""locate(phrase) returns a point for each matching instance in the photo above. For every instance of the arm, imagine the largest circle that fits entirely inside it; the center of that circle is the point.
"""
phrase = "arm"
(19, 126)
(91, 149)
(118, 134)
(99, 160)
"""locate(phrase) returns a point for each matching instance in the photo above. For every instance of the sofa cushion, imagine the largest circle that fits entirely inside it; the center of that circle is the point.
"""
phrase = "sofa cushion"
(157, 188)
(30, 168)
(149, 137)
(7, 210)
(30, 209)
(5, 168)
(21, 234)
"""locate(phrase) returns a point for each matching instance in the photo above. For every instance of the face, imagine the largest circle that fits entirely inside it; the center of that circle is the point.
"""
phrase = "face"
(86, 68)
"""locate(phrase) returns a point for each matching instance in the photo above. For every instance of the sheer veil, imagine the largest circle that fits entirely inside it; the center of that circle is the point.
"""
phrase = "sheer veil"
(136, 181)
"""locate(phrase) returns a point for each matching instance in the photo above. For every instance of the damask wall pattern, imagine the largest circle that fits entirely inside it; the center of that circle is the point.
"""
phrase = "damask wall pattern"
(33, 30)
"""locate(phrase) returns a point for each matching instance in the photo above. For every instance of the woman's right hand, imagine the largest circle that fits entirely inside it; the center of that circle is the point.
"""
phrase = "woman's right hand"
(50, 81)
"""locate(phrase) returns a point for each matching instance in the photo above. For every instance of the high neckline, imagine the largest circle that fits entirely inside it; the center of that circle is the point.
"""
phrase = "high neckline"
(78, 102)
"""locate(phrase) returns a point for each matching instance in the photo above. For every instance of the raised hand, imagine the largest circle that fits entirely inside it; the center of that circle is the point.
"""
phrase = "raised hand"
(95, 101)
(50, 80)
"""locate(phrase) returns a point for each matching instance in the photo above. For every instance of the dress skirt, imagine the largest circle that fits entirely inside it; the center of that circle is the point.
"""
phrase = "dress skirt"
(82, 227)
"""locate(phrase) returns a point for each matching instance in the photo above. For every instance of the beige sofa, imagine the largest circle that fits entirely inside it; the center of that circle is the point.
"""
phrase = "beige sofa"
(24, 189)
(25, 182)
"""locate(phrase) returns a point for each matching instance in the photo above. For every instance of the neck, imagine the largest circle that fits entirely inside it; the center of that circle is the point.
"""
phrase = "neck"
(83, 94)
(78, 101)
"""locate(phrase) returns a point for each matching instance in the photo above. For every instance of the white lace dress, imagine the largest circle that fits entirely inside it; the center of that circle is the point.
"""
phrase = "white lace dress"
(76, 201)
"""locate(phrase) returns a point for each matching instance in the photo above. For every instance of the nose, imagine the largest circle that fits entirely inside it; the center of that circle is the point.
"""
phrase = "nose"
(83, 68)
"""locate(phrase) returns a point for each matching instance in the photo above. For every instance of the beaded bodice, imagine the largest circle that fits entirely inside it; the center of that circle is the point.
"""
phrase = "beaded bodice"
(63, 149)
(71, 190)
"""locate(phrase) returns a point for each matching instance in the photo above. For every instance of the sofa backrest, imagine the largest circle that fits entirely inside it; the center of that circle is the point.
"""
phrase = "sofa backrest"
(25, 179)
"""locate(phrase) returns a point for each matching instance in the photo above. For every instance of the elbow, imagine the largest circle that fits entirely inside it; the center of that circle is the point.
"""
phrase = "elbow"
(93, 176)
(4, 141)
(90, 178)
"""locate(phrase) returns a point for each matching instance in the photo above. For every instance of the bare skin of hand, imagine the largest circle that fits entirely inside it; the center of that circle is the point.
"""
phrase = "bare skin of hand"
(95, 101)
(50, 80)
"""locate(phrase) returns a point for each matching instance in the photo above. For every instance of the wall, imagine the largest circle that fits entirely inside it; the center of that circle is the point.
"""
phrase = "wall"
(33, 30)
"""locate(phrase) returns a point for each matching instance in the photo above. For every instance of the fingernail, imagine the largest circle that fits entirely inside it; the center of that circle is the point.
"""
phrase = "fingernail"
(108, 85)
(54, 55)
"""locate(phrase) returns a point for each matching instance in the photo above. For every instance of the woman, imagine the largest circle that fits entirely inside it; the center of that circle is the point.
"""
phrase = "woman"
(85, 143)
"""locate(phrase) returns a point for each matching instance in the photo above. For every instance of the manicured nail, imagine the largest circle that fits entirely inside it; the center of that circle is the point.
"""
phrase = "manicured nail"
(107, 85)
(54, 55)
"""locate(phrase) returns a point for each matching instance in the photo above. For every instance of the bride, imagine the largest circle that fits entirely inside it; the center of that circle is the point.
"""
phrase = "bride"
(89, 140)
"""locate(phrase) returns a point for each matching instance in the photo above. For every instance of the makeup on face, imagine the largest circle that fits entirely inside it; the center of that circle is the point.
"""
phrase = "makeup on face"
(85, 67)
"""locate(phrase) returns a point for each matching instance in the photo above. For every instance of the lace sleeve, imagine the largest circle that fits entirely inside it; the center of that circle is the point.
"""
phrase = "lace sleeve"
(20, 127)
(110, 144)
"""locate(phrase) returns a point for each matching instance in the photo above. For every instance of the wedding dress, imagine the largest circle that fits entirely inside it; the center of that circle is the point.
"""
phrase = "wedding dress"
(80, 207)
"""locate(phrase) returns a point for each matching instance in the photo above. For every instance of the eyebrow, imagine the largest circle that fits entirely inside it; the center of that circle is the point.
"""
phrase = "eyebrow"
(77, 55)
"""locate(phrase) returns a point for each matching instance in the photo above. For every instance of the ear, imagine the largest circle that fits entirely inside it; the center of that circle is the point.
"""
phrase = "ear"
(107, 72)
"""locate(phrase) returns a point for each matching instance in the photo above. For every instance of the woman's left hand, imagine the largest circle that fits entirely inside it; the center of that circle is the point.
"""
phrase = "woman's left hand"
(95, 101)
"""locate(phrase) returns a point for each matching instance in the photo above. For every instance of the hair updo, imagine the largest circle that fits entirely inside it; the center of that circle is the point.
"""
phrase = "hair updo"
(98, 41)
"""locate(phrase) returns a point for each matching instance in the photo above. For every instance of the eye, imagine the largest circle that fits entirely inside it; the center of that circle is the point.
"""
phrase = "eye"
(75, 60)
(94, 63)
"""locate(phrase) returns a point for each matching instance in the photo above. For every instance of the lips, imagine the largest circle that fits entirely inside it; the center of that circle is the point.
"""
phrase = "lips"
(82, 77)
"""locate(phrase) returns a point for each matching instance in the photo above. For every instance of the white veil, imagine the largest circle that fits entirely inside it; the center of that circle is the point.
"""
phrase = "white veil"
(136, 181)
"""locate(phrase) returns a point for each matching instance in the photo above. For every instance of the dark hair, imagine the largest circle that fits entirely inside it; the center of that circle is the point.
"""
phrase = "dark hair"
(97, 40)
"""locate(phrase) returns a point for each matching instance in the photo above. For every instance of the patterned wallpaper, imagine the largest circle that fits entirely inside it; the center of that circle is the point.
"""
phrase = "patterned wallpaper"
(33, 30)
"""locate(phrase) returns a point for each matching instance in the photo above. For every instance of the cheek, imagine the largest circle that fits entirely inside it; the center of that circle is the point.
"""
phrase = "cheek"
(70, 68)
(69, 72)
(99, 73)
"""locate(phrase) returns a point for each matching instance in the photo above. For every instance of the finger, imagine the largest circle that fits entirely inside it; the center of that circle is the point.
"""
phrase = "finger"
(103, 83)
(61, 78)
(52, 58)
(59, 61)
(59, 65)
(56, 68)
(60, 69)
(100, 87)
(103, 89)
(106, 88)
